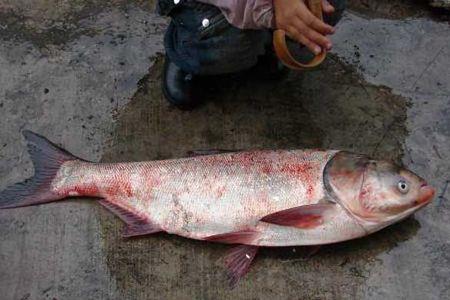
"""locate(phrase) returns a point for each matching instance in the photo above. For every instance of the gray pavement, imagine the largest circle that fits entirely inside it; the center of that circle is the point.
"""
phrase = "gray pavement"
(87, 75)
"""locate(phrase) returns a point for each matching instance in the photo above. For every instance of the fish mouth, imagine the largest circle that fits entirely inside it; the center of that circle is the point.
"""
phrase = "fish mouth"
(426, 194)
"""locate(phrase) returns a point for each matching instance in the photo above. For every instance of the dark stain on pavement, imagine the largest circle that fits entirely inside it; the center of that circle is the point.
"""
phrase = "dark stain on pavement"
(330, 107)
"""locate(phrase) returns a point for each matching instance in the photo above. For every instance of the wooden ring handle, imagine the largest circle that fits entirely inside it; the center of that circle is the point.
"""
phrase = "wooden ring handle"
(282, 51)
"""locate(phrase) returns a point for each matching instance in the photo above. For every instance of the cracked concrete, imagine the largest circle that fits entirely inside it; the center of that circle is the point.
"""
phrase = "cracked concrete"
(87, 75)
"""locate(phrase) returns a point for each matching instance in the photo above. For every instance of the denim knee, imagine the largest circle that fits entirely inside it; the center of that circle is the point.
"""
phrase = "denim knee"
(201, 41)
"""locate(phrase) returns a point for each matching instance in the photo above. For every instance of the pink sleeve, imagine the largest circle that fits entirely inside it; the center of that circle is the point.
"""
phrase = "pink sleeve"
(246, 14)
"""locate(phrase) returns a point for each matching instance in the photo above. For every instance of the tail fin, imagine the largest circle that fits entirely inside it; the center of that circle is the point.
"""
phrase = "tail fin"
(47, 159)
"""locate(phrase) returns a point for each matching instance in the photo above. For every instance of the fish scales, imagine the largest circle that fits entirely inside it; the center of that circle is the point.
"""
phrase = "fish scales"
(205, 195)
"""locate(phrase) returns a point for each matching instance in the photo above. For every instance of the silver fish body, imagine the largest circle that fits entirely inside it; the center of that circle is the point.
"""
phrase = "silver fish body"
(208, 195)
(251, 198)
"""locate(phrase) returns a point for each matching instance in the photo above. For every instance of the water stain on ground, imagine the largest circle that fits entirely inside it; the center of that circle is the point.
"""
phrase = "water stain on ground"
(331, 107)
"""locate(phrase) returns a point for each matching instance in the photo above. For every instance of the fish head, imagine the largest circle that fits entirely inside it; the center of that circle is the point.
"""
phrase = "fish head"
(377, 193)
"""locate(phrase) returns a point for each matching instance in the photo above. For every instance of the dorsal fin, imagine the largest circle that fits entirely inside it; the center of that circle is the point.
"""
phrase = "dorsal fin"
(195, 153)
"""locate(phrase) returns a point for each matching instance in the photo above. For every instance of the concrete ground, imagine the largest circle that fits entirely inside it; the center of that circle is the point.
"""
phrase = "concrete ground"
(87, 75)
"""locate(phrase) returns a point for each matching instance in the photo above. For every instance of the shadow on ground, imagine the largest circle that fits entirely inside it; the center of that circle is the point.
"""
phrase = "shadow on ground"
(330, 107)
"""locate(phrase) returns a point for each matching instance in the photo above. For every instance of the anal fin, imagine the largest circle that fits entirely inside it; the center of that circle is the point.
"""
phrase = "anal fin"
(136, 225)
(238, 261)
(141, 229)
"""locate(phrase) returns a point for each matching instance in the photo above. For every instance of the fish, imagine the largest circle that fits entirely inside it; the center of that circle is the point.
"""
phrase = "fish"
(252, 199)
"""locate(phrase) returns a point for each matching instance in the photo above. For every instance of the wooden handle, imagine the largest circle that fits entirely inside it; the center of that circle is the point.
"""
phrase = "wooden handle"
(282, 51)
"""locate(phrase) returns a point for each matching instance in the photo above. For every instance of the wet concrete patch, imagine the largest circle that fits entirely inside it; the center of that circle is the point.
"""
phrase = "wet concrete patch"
(331, 107)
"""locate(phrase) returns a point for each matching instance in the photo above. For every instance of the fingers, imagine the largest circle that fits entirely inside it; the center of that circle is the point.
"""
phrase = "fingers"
(312, 35)
(327, 7)
(294, 34)
(313, 22)
(298, 21)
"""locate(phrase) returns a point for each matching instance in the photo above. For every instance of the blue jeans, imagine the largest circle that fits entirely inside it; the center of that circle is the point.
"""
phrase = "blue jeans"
(218, 48)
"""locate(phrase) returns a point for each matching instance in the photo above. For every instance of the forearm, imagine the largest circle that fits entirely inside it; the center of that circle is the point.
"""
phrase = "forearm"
(250, 14)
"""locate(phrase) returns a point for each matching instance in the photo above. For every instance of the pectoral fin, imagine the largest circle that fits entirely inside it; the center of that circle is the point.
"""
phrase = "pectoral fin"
(305, 217)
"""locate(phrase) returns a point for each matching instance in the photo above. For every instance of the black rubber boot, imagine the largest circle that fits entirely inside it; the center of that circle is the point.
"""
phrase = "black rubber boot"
(178, 86)
(269, 67)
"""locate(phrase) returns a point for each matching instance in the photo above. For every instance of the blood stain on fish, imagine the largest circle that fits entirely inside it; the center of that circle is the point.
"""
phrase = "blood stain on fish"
(89, 190)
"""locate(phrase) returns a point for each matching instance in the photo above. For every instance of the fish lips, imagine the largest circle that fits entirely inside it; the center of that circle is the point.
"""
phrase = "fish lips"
(426, 194)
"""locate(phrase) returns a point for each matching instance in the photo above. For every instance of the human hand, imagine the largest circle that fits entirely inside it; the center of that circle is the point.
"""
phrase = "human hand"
(294, 17)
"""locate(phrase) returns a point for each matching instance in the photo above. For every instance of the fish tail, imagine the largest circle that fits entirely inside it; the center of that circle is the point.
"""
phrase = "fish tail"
(47, 159)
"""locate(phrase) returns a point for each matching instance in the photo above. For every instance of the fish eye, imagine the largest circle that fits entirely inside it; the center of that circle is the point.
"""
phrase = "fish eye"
(403, 186)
